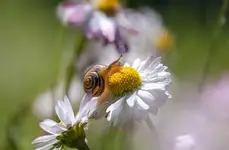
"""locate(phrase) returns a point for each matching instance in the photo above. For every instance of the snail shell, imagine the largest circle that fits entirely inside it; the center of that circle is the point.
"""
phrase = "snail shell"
(93, 82)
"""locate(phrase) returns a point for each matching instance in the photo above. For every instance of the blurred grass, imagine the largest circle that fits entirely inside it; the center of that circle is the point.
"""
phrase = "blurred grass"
(30, 55)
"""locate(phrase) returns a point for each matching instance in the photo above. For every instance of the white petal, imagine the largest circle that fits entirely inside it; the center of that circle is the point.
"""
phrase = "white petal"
(146, 95)
(131, 100)
(114, 112)
(62, 113)
(107, 26)
(73, 13)
(52, 127)
(136, 64)
(69, 108)
(44, 138)
(161, 97)
(84, 101)
(126, 65)
(86, 109)
(151, 86)
(115, 106)
(150, 60)
(155, 63)
(141, 103)
(100, 110)
(185, 142)
(45, 145)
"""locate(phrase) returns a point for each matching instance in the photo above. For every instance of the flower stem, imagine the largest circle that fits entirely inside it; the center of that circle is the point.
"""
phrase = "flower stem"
(80, 44)
(82, 146)
(219, 25)
(60, 45)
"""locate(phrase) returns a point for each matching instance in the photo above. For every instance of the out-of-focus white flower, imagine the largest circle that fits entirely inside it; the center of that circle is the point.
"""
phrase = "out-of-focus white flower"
(152, 36)
(184, 142)
(43, 106)
(136, 90)
(61, 134)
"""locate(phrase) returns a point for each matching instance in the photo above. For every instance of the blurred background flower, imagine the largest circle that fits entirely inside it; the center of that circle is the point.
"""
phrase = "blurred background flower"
(184, 142)
(215, 98)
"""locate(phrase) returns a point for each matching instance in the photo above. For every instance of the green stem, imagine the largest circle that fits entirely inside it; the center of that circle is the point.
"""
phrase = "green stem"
(80, 45)
(211, 52)
(60, 45)
(82, 146)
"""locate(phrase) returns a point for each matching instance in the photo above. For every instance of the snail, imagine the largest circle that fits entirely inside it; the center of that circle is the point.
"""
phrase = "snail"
(96, 78)
(96, 84)
(93, 82)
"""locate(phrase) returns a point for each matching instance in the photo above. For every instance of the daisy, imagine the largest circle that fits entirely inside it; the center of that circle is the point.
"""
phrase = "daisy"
(151, 37)
(136, 90)
(98, 19)
(145, 92)
(69, 132)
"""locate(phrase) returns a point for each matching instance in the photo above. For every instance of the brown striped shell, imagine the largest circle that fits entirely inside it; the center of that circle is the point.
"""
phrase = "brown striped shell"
(93, 82)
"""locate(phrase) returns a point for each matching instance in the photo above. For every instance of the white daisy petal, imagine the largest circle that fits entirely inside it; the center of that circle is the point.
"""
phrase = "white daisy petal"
(44, 138)
(147, 63)
(146, 95)
(84, 101)
(100, 110)
(69, 109)
(151, 86)
(155, 63)
(114, 112)
(115, 105)
(131, 100)
(160, 97)
(185, 142)
(136, 64)
(126, 65)
(71, 13)
(63, 113)
(45, 145)
(158, 69)
(86, 110)
(106, 25)
(52, 127)
(141, 103)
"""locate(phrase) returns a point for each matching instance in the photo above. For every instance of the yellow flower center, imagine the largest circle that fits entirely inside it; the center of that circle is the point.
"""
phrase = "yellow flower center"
(126, 81)
(108, 6)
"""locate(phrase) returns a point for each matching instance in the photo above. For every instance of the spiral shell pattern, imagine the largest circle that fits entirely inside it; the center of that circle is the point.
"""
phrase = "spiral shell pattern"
(93, 82)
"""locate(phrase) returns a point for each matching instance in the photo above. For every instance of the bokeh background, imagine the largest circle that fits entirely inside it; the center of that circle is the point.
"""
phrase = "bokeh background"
(34, 47)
